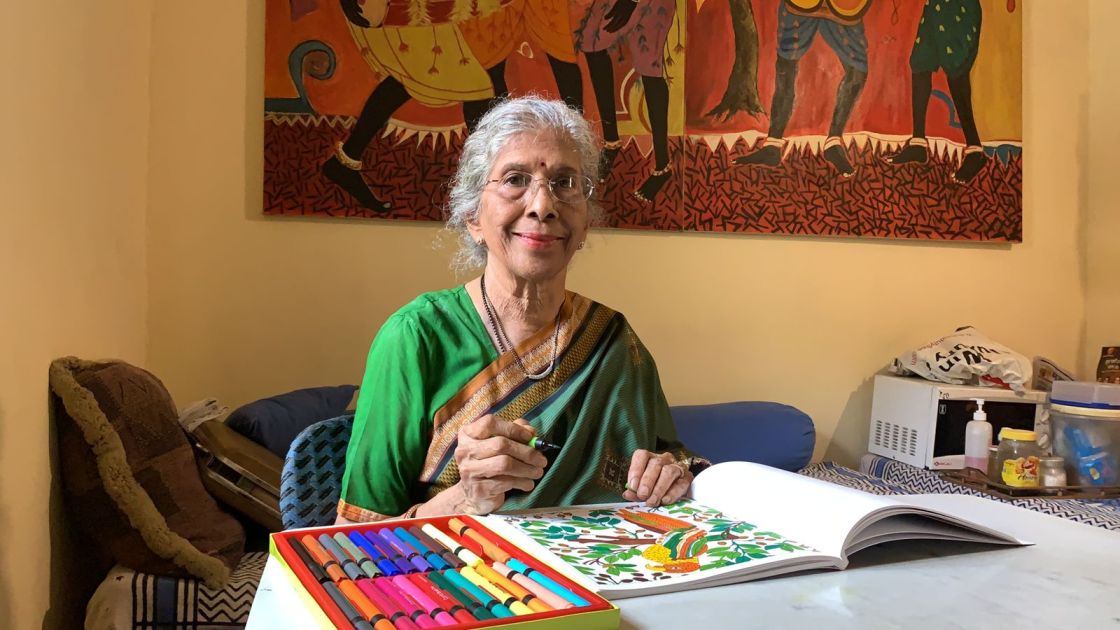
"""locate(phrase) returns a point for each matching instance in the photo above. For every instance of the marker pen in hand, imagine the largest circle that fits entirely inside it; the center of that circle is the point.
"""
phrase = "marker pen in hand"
(542, 446)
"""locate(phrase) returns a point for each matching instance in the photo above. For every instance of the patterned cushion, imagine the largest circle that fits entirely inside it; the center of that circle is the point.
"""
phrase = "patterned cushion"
(127, 600)
(129, 474)
(312, 475)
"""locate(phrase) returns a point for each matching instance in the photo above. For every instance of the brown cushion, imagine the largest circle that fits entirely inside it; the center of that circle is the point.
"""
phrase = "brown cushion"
(129, 474)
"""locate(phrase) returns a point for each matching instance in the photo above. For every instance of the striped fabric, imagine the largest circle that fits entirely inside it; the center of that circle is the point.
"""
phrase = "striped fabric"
(127, 600)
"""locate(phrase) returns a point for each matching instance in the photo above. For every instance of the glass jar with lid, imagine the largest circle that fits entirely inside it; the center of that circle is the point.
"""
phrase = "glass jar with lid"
(1018, 457)
(1052, 472)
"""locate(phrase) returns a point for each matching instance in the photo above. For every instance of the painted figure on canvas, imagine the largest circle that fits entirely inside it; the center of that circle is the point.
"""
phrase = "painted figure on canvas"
(442, 52)
(948, 39)
(643, 28)
(840, 25)
(865, 118)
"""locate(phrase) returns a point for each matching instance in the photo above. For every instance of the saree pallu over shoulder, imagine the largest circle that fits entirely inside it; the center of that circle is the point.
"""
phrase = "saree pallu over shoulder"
(601, 402)
(503, 388)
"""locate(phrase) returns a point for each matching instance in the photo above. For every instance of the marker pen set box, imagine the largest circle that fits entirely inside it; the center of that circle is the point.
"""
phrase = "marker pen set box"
(444, 572)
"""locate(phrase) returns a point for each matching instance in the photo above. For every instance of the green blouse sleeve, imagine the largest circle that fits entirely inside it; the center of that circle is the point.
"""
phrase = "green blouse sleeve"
(391, 423)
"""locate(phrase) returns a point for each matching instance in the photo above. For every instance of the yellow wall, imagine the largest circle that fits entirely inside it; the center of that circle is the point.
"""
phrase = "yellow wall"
(73, 278)
(140, 239)
(1101, 234)
(243, 306)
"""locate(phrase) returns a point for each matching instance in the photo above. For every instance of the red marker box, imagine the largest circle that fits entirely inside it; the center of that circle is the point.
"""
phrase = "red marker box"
(599, 614)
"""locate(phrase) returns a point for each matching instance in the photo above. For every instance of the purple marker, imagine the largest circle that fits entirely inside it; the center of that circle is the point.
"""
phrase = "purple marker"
(387, 550)
(409, 553)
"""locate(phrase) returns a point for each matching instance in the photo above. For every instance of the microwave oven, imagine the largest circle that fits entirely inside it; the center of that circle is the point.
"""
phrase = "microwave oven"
(922, 422)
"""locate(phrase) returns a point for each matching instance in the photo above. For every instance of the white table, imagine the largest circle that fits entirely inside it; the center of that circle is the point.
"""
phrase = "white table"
(1069, 579)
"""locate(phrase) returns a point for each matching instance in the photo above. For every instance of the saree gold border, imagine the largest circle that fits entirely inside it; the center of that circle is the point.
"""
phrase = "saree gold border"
(357, 514)
(537, 392)
(497, 380)
(501, 370)
(540, 390)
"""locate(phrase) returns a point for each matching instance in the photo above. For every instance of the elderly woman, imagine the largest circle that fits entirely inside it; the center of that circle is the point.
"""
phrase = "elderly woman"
(459, 382)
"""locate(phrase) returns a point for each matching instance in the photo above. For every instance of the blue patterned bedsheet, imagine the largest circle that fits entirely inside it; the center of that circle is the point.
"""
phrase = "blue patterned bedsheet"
(879, 475)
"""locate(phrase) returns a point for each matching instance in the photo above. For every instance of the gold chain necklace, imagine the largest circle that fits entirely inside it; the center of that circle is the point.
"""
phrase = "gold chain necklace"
(504, 342)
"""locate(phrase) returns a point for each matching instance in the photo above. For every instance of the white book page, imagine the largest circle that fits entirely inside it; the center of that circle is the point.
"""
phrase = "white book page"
(622, 549)
(986, 517)
(811, 511)
(912, 526)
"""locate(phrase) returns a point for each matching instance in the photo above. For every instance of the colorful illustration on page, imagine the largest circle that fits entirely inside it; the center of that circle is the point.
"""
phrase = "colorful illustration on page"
(636, 544)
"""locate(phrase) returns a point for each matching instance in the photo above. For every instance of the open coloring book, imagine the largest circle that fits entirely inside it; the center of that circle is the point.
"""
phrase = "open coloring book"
(745, 521)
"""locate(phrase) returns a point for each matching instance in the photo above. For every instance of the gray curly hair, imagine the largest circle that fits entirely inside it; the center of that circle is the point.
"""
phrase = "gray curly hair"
(509, 118)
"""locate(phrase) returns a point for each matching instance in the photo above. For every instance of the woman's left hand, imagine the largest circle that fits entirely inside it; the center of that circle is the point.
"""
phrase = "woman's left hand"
(656, 478)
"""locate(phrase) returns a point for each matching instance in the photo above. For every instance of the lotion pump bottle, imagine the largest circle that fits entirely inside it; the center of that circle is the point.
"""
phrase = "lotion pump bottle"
(977, 439)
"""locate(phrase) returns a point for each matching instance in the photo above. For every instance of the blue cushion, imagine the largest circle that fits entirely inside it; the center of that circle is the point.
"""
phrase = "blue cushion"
(764, 432)
(275, 421)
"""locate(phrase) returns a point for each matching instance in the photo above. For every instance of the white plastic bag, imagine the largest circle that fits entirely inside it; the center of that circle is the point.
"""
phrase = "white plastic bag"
(967, 357)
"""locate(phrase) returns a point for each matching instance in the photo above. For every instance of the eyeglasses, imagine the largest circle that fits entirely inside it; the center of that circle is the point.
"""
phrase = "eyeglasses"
(568, 189)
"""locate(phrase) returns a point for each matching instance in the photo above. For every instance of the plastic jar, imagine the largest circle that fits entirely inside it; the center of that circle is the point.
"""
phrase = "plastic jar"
(1085, 430)
(1018, 457)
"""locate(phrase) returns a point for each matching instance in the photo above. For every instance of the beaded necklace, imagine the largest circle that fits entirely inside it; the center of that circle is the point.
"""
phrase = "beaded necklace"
(504, 342)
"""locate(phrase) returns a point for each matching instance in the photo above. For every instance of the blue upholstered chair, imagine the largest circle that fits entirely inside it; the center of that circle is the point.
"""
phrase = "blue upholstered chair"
(765, 432)
(312, 474)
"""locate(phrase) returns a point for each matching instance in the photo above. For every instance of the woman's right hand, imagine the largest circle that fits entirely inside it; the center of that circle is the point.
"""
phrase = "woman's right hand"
(494, 457)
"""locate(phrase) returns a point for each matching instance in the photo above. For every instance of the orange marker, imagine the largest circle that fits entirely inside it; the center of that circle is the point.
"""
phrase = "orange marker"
(330, 565)
(530, 600)
(490, 549)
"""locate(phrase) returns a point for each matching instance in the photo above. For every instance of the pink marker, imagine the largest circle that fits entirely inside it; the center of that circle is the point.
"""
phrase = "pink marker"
(418, 616)
(396, 616)
(420, 597)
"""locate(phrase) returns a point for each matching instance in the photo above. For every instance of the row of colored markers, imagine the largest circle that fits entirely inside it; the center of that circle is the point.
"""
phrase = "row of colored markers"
(420, 577)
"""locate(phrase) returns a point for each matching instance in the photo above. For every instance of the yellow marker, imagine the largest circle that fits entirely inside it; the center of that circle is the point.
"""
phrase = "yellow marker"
(518, 591)
(510, 601)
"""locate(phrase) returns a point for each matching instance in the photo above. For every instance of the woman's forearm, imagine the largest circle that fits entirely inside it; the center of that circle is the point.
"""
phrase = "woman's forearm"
(450, 501)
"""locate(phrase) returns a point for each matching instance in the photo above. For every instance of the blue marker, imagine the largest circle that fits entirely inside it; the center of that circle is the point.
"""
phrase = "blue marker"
(388, 568)
(546, 582)
(390, 553)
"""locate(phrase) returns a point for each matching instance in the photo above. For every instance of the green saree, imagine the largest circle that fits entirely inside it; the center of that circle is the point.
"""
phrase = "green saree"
(432, 369)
